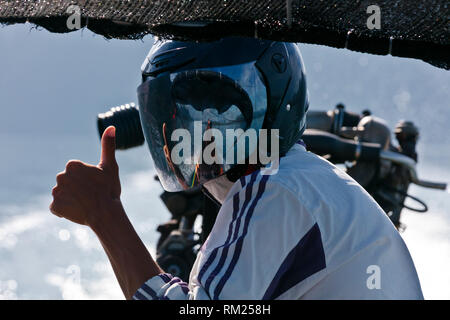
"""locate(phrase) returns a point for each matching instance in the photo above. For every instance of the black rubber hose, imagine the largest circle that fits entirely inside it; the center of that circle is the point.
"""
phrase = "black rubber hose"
(341, 150)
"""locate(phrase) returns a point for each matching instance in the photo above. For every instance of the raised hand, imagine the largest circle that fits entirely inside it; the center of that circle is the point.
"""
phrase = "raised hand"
(86, 193)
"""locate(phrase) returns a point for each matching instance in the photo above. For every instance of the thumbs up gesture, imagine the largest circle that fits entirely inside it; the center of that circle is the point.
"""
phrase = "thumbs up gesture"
(85, 193)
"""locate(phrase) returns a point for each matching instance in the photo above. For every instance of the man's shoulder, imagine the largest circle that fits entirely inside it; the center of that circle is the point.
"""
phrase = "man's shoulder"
(296, 173)
(305, 180)
(300, 172)
(322, 189)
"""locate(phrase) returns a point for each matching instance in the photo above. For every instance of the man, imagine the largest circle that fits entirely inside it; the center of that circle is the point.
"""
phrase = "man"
(301, 230)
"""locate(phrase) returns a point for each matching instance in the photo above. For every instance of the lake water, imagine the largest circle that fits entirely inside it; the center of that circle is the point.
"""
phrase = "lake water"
(53, 86)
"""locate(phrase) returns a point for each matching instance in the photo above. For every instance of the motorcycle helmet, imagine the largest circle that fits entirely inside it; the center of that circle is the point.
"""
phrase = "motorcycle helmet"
(194, 94)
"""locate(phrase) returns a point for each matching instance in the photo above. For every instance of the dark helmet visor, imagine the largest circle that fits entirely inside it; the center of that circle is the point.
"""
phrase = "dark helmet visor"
(194, 121)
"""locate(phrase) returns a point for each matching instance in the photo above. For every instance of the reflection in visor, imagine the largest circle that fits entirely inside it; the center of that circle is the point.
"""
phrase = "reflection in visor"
(231, 97)
(204, 89)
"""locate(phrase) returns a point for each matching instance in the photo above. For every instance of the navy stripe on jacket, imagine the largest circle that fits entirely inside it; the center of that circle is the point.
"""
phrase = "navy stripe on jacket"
(304, 260)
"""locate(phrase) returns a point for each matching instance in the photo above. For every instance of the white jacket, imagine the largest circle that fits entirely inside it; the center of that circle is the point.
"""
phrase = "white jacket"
(307, 232)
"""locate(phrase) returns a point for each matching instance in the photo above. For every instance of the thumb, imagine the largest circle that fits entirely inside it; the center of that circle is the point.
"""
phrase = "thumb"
(108, 155)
